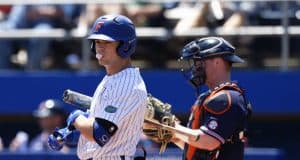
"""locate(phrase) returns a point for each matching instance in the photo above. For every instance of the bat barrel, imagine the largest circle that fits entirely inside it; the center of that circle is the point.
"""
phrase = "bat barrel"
(77, 99)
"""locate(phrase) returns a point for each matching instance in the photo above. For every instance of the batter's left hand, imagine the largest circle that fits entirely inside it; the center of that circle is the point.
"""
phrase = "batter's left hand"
(56, 140)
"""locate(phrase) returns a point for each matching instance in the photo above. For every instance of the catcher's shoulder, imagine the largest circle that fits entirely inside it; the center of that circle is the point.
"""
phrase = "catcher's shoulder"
(221, 101)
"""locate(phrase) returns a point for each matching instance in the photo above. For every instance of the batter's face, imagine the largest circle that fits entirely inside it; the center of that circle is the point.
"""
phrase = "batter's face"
(106, 52)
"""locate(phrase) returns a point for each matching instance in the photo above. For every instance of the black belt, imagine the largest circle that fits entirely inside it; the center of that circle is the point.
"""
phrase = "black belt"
(122, 158)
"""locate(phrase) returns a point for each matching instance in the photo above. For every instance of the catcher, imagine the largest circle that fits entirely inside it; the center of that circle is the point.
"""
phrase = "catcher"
(217, 124)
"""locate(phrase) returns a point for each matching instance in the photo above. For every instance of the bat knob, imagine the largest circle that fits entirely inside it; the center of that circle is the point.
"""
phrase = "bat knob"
(66, 95)
(59, 138)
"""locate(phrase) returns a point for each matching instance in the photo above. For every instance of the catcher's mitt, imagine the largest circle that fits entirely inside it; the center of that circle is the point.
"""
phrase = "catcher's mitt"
(160, 112)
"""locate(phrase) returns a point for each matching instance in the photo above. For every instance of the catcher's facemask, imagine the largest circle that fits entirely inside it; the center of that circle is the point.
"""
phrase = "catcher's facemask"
(192, 71)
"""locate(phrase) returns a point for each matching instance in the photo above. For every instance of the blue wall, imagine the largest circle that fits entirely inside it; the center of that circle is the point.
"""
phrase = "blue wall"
(170, 153)
(271, 92)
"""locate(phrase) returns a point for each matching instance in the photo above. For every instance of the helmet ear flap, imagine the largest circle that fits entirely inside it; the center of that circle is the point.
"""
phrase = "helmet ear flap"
(125, 49)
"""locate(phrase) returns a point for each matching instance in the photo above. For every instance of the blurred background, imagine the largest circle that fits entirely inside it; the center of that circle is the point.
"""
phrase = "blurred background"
(43, 51)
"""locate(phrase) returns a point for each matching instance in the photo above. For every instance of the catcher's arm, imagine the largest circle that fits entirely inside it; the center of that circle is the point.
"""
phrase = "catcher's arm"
(203, 140)
(192, 134)
(181, 135)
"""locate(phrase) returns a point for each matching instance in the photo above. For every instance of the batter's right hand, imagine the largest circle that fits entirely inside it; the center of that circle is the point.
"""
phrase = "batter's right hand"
(72, 117)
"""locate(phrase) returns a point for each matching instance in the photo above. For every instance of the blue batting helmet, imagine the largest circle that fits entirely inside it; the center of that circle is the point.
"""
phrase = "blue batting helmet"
(115, 28)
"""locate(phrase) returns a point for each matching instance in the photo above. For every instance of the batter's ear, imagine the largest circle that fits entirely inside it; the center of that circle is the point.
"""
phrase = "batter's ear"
(218, 103)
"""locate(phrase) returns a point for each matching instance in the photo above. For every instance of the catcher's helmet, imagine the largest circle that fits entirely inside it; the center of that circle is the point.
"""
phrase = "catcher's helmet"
(49, 107)
(115, 28)
(210, 47)
(202, 49)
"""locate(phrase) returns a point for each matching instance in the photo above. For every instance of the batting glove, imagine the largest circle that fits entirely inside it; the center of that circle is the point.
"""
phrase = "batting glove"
(63, 136)
(56, 140)
(73, 116)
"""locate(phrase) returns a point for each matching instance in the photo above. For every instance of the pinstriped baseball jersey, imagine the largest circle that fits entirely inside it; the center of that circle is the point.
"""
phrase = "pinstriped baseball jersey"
(120, 98)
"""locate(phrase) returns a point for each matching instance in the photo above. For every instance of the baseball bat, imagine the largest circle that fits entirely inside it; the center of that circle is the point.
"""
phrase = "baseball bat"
(84, 102)
(77, 99)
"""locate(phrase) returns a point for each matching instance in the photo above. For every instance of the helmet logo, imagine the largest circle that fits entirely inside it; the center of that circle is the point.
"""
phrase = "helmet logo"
(98, 26)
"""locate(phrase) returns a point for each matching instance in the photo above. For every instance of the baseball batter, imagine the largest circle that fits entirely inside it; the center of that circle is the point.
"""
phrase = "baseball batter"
(113, 126)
